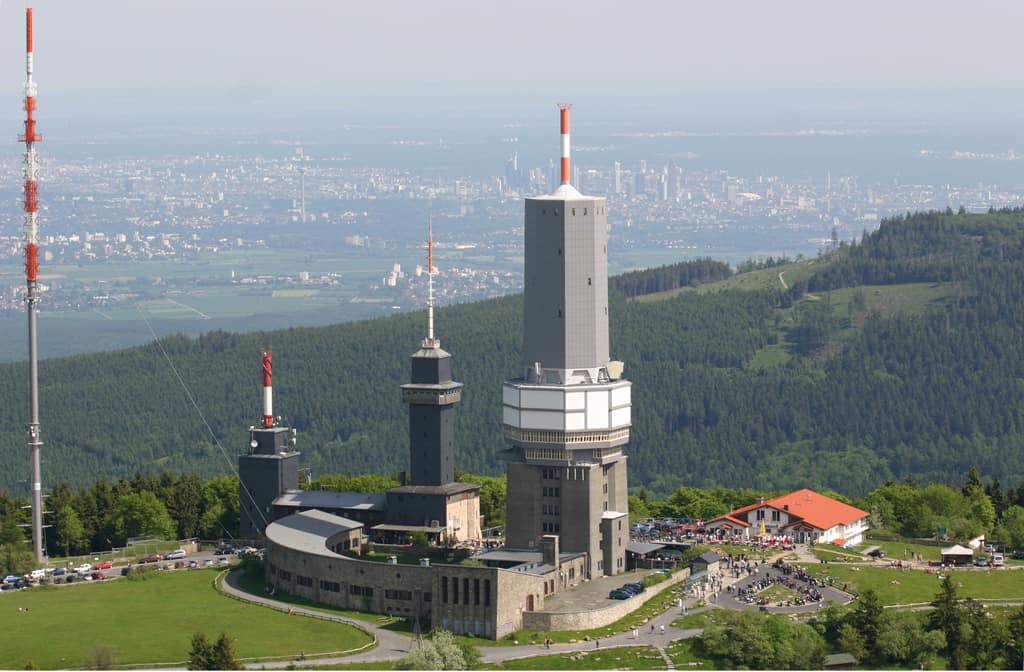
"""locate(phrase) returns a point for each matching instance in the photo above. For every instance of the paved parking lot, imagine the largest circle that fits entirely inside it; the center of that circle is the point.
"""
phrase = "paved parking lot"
(593, 594)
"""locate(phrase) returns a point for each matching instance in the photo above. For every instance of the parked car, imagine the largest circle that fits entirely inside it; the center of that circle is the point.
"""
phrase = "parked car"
(981, 562)
(877, 553)
(620, 594)
(192, 564)
(125, 571)
(83, 568)
(99, 576)
(176, 555)
(639, 587)
(224, 549)
(105, 564)
(152, 557)
(12, 579)
(60, 571)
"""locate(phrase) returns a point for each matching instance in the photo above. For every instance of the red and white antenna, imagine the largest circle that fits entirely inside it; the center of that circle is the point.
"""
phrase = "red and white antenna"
(564, 108)
(430, 341)
(268, 390)
(30, 137)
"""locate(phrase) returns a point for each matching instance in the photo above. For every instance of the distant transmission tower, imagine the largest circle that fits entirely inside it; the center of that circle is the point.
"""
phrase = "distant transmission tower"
(30, 137)
(302, 182)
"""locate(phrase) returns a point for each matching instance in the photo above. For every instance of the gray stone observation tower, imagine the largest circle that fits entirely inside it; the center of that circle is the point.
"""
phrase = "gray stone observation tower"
(567, 419)
(432, 501)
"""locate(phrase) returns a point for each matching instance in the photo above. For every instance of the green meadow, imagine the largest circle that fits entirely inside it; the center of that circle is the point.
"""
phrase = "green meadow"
(917, 586)
(152, 621)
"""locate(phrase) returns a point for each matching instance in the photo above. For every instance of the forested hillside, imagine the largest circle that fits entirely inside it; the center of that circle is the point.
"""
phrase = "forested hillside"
(841, 378)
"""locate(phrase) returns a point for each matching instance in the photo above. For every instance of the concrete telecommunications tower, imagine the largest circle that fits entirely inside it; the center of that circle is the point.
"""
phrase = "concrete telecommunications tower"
(30, 137)
(567, 419)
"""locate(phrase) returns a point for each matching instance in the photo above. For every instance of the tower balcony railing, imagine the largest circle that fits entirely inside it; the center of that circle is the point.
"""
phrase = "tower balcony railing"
(437, 397)
(558, 455)
(518, 435)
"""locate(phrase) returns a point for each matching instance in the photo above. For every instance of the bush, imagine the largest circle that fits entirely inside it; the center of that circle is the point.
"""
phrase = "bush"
(654, 579)
(141, 572)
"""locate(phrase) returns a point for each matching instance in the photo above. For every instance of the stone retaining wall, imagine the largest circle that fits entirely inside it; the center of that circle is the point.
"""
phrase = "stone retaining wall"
(597, 618)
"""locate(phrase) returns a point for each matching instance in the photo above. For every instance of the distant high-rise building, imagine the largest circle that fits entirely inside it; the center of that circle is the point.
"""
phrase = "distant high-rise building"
(639, 184)
(568, 417)
(513, 176)
(618, 178)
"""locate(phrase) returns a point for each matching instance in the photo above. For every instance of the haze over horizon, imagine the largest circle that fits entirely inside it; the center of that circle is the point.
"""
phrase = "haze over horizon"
(259, 58)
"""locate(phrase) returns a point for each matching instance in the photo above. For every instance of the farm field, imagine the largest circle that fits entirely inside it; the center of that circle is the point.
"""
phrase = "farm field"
(152, 621)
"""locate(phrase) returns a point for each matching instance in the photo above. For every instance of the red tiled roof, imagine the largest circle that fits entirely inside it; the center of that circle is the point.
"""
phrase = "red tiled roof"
(804, 507)
(816, 509)
(731, 518)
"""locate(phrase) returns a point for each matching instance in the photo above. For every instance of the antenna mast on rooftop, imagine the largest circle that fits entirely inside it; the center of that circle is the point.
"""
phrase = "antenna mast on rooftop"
(30, 137)
(430, 341)
(564, 108)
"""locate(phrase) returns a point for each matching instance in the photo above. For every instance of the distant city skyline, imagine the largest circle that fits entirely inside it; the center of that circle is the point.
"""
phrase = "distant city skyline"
(244, 52)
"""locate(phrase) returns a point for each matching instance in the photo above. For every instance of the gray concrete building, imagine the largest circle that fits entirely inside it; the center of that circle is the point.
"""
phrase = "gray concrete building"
(567, 418)
(270, 467)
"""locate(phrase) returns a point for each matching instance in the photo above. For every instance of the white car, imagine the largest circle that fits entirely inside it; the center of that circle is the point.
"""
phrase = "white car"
(176, 555)
(85, 568)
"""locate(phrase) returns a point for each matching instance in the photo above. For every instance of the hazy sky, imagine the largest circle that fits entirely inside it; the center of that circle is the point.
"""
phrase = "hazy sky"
(512, 45)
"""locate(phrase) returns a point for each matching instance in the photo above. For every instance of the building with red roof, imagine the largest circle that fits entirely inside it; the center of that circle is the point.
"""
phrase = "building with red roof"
(805, 516)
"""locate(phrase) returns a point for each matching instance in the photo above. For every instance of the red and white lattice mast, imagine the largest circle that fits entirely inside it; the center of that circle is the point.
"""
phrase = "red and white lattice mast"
(268, 390)
(430, 341)
(30, 137)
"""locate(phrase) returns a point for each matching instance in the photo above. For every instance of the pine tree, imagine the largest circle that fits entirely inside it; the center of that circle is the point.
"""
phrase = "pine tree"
(201, 655)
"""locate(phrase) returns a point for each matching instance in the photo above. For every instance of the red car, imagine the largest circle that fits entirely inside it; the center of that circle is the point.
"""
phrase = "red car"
(153, 557)
(106, 564)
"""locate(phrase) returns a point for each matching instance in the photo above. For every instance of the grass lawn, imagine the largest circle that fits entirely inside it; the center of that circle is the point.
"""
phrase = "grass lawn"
(702, 619)
(776, 593)
(153, 621)
(915, 586)
(618, 658)
(689, 653)
(372, 665)
(894, 550)
(836, 554)
(254, 585)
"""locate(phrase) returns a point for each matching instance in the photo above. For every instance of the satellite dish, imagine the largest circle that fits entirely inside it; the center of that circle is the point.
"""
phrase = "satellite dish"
(253, 444)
